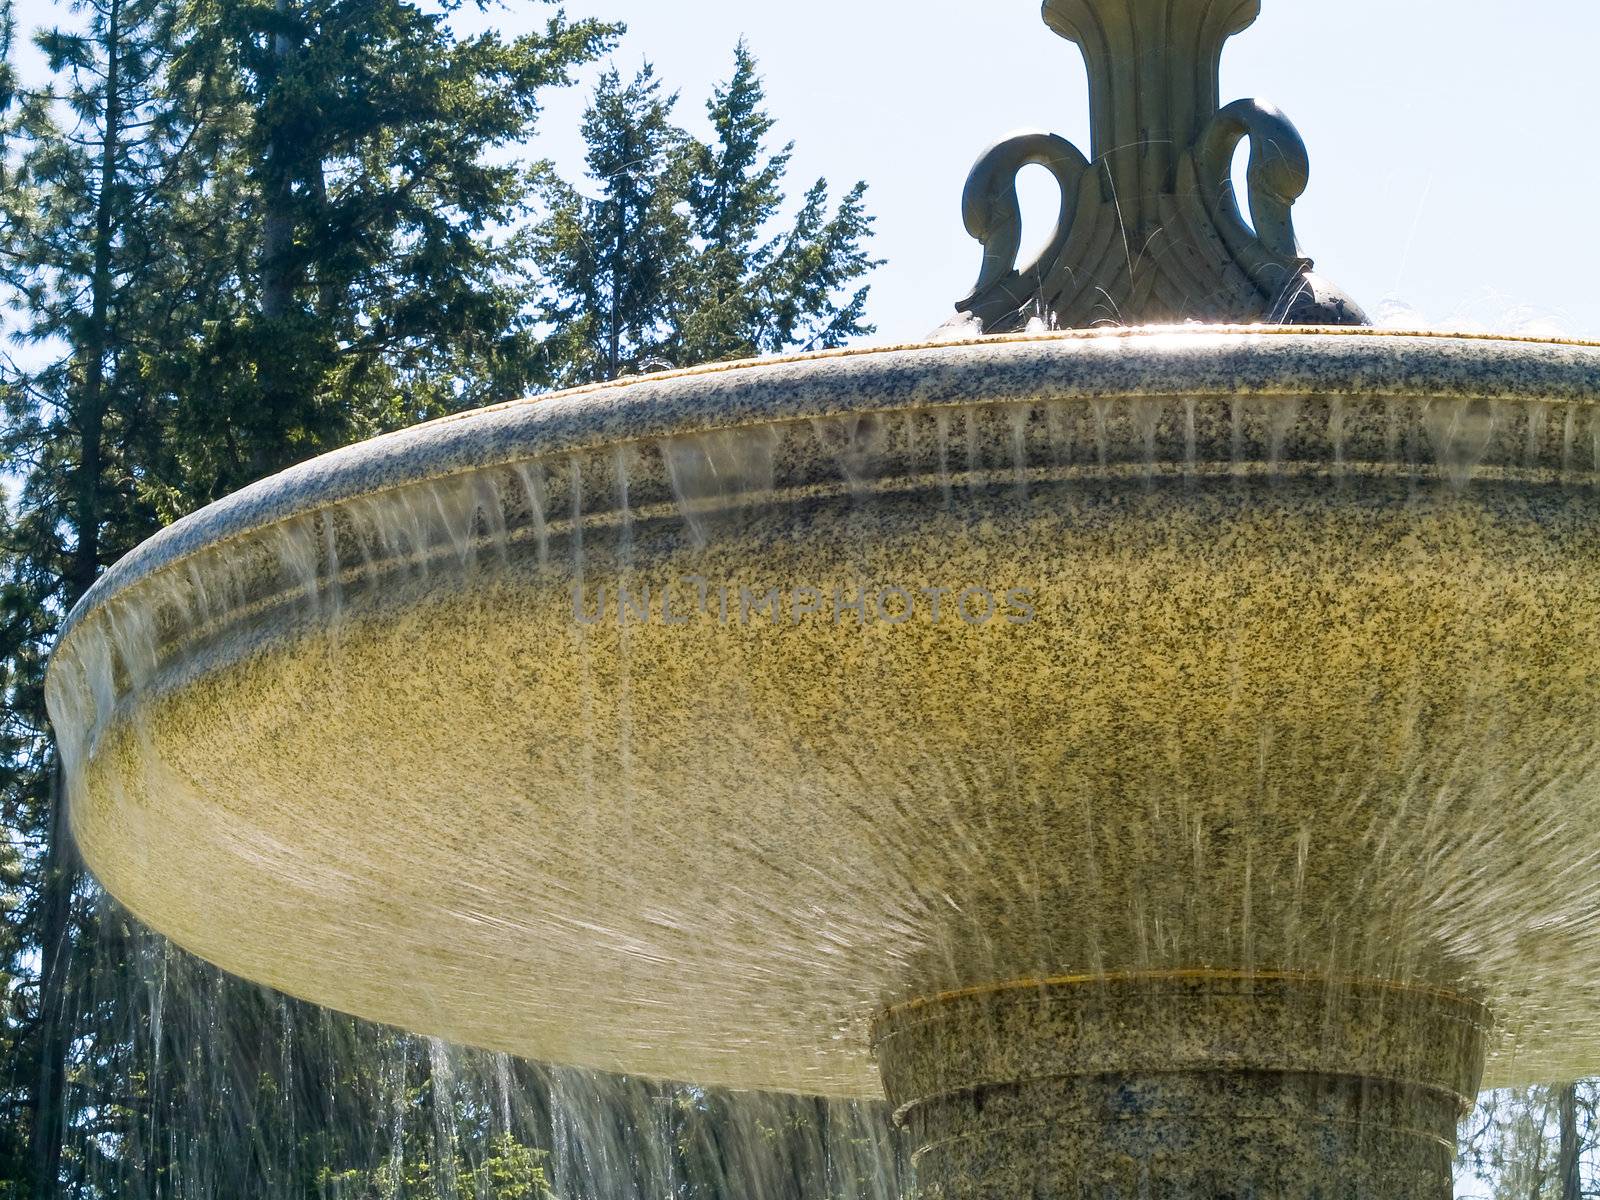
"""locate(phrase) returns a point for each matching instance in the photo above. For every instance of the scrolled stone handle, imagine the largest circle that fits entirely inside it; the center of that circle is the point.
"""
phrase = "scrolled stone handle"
(993, 213)
(1280, 170)
(1151, 231)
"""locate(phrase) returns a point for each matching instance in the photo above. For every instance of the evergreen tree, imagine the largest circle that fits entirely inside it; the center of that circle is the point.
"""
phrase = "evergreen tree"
(160, 377)
(608, 261)
(87, 206)
(748, 290)
(682, 257)
(380, 285)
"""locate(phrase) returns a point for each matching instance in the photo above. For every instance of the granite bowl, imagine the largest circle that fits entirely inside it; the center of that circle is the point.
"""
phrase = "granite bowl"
(678, 725)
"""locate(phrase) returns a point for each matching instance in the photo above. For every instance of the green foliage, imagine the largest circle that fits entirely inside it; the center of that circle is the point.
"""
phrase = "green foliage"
(96, 170)
(378, 280)
(683, 256)
(747, 289)
(137, 191)
(512, 1171)
(1512, 1144)
(235, 234)
(608, 262)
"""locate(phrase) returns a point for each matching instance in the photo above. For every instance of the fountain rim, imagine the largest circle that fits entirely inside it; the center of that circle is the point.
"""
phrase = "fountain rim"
(1171, 361)
(1193, 975)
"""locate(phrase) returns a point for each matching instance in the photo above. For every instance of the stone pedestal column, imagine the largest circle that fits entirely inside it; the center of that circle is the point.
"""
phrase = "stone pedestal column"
(1154, 68)
(1197, 1085)
(1150, 229)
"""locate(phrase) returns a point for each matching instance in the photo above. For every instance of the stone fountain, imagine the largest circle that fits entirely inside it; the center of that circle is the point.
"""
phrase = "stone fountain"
(1159, 758)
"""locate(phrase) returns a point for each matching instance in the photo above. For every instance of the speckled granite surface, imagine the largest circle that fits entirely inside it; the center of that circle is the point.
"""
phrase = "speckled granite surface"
(1193, 1085)
(1174, 364)
(1308, 681)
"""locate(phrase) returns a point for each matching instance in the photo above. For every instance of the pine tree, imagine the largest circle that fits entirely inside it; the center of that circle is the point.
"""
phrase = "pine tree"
(380, 287)
(748, 289)
(134, 234)
(608, 261)
(683, 257)
(86, 210)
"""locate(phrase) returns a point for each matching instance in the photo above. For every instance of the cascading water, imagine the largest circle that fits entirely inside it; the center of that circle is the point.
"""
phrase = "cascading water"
(1160, 763)
(197, 1086)
(1377, 820)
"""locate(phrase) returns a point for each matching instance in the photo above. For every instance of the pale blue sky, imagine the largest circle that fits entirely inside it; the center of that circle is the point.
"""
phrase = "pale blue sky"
(1455, 145)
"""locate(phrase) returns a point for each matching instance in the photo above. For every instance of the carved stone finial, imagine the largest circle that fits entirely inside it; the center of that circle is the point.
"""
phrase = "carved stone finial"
(1150, 229)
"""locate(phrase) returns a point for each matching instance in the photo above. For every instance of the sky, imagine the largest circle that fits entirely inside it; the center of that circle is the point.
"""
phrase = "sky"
(1454, 144)
(1455, 147)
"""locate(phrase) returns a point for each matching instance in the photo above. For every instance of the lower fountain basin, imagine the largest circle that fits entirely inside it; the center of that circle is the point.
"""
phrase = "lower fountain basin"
(962, 665)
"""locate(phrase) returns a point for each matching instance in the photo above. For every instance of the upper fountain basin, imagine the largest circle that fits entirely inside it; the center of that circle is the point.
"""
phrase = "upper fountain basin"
(675, 726)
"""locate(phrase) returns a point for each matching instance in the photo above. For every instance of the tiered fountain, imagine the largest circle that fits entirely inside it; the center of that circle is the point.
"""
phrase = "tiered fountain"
(1162, 759)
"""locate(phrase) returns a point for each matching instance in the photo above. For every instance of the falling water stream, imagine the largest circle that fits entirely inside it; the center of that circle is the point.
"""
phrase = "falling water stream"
(202, 1086)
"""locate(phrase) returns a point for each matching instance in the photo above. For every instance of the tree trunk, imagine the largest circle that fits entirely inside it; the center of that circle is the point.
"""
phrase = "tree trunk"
(277, 227)
(619, 250)
(328, 296)
(97, 336)
(619, 273)
(55, 952)
(1570, 1165)
(61, 868)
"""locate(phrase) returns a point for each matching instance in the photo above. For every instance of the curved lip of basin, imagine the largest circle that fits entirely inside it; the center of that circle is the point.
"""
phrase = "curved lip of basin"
(1208, 361)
